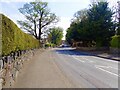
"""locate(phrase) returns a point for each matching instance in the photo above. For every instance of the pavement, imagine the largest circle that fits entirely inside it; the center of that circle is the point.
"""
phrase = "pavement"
(109, 56)
(104, 54)
(42, 72)
(67, 68)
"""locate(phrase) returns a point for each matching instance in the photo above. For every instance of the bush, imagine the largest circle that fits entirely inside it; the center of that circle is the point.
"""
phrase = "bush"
(115, 42)
(13, 39)
(50, 45)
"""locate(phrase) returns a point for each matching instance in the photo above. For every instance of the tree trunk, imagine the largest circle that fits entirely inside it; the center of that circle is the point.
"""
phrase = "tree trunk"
(35, 29)
(39, 29)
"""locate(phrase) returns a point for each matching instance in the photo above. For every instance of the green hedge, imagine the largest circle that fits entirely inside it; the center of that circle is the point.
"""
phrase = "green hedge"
(115, 42)
(49, 45)
(13, 39)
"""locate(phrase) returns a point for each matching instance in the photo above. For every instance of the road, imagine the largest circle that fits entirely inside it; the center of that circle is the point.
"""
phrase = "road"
(87, 71)
(67, 68)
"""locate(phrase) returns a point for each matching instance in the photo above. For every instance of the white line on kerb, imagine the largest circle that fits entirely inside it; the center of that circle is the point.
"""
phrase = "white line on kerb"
(107, 71)
(103, 59)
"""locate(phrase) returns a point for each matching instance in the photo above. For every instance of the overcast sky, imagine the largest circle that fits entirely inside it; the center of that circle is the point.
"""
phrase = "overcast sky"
(65, 9)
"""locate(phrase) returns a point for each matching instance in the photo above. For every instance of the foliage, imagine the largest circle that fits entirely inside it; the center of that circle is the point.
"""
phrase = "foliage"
(38, 17)
(100, 17)
(79, 29)
(118, 30)
(80, 15)
(92, 25)
(72, 33)
(13, 39)
(49, 45)
(118, 18)
(115, 42)
(55, 35)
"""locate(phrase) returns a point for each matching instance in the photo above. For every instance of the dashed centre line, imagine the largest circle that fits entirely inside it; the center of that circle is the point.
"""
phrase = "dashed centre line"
(78, 59)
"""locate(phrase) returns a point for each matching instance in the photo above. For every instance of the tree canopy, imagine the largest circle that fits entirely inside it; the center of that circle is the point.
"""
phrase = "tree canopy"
(38, 18)
(92, 25)
(55, 35)
(118, 18)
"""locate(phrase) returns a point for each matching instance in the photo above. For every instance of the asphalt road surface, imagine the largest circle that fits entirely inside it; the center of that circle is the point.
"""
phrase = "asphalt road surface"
(67, 68)
(87, 71)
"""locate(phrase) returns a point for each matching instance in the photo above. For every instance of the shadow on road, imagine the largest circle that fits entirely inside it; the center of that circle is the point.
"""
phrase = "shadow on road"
(68, 51)
(73, 51)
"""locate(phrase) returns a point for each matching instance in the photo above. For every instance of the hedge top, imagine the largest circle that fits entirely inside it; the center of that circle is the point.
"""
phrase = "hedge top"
(13, 39)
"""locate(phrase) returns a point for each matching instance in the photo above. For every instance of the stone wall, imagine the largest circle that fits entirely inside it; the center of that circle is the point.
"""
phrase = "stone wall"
(11, 65)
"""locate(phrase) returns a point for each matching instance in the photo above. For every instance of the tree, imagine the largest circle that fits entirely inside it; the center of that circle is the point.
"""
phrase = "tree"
(55, 35)
(92, 26)
(80, 15)
(118, 18)
(79, 29)
(72, 33)
(38, 17)
(100, 19)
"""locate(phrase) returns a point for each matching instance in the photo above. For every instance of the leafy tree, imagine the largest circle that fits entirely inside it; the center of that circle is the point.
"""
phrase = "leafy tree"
(92, 25)
(100, 19)
(80, 15)
(79, 28)
(72, 33)
(69, 36)
(55, 35)
(118, 18)
(38, 17)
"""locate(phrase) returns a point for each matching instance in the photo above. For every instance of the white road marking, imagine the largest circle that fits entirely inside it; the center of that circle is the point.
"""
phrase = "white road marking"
(78, 59)
(107, 71)
(105, 59)
(108, 67)
(87, 59)
(91, 61)
(114, 68)
(103, 66)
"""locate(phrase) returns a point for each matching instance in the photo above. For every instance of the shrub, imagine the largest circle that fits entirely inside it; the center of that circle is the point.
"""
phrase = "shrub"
(13, 39)
(115, 42)
(50, 45)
